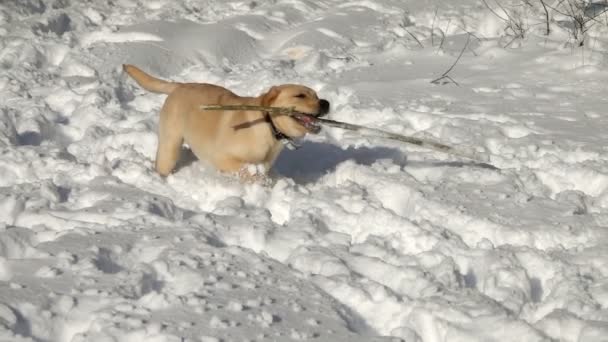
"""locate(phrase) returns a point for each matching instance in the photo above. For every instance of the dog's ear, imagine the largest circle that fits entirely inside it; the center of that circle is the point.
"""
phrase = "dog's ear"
(270, 96)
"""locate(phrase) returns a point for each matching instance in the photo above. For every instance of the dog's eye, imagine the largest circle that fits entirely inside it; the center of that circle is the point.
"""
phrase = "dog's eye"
(300, 96)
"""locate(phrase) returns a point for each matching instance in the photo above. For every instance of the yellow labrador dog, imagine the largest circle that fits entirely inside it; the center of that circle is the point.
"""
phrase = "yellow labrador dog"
(229, 140)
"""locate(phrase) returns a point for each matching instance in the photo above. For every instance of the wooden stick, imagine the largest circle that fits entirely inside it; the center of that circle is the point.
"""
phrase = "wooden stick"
(274, 110)
(290, 111)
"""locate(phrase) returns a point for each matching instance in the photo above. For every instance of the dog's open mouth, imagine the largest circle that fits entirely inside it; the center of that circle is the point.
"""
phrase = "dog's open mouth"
(308, 121)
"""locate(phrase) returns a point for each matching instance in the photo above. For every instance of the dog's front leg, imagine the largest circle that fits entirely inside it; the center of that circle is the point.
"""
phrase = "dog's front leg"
(253, 173)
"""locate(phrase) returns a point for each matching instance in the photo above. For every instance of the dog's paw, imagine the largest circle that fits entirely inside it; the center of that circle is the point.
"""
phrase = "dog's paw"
(254, 173)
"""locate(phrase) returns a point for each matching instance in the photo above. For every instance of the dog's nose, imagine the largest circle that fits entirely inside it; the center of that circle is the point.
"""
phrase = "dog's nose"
(323, 107)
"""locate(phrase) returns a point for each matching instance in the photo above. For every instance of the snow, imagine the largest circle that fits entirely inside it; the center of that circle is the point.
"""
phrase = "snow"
(353, 238)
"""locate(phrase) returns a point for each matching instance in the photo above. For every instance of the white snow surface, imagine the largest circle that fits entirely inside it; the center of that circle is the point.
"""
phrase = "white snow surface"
(354, 238)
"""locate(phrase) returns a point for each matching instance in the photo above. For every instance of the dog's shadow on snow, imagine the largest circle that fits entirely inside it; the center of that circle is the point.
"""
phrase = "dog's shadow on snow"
(313, 160)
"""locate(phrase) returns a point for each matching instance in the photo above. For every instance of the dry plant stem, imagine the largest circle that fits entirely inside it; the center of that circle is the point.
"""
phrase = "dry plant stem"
(404, 26)
(442, 40)
(444, 32)
(433, 27)
(580, 20)
(494, 12)
(471, 34)
(357, 128)
(542, 2)
(511, 19)
(445, 74)
(416, 39)
(516, 26)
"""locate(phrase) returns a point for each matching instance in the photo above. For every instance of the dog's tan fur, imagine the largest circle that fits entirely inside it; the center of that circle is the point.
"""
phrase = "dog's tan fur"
(229, 140)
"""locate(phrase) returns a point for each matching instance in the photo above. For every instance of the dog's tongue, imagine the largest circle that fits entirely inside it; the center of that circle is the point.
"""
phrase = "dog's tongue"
(307, 119)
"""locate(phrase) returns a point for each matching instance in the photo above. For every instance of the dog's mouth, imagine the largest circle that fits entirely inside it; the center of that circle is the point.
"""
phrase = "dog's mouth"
(309, 121)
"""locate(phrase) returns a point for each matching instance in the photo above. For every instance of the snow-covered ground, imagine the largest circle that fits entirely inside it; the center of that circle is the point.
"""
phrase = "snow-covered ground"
(356, 238)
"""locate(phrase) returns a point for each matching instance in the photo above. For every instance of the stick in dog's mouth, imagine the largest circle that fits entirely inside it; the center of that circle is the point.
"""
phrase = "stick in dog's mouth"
(309, 121)
(313, 124)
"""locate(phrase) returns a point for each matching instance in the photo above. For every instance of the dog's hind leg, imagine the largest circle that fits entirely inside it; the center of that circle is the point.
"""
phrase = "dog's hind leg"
(170, 139)
(168, 154)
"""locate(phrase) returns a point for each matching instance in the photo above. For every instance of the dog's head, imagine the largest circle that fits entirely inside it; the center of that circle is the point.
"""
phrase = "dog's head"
(306, 103)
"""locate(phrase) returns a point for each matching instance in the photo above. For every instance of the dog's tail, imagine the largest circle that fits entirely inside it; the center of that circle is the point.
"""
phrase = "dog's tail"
(148, 82)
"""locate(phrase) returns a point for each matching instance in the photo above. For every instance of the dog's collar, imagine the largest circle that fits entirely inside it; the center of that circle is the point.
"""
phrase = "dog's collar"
(280, 136)
(275, 132)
